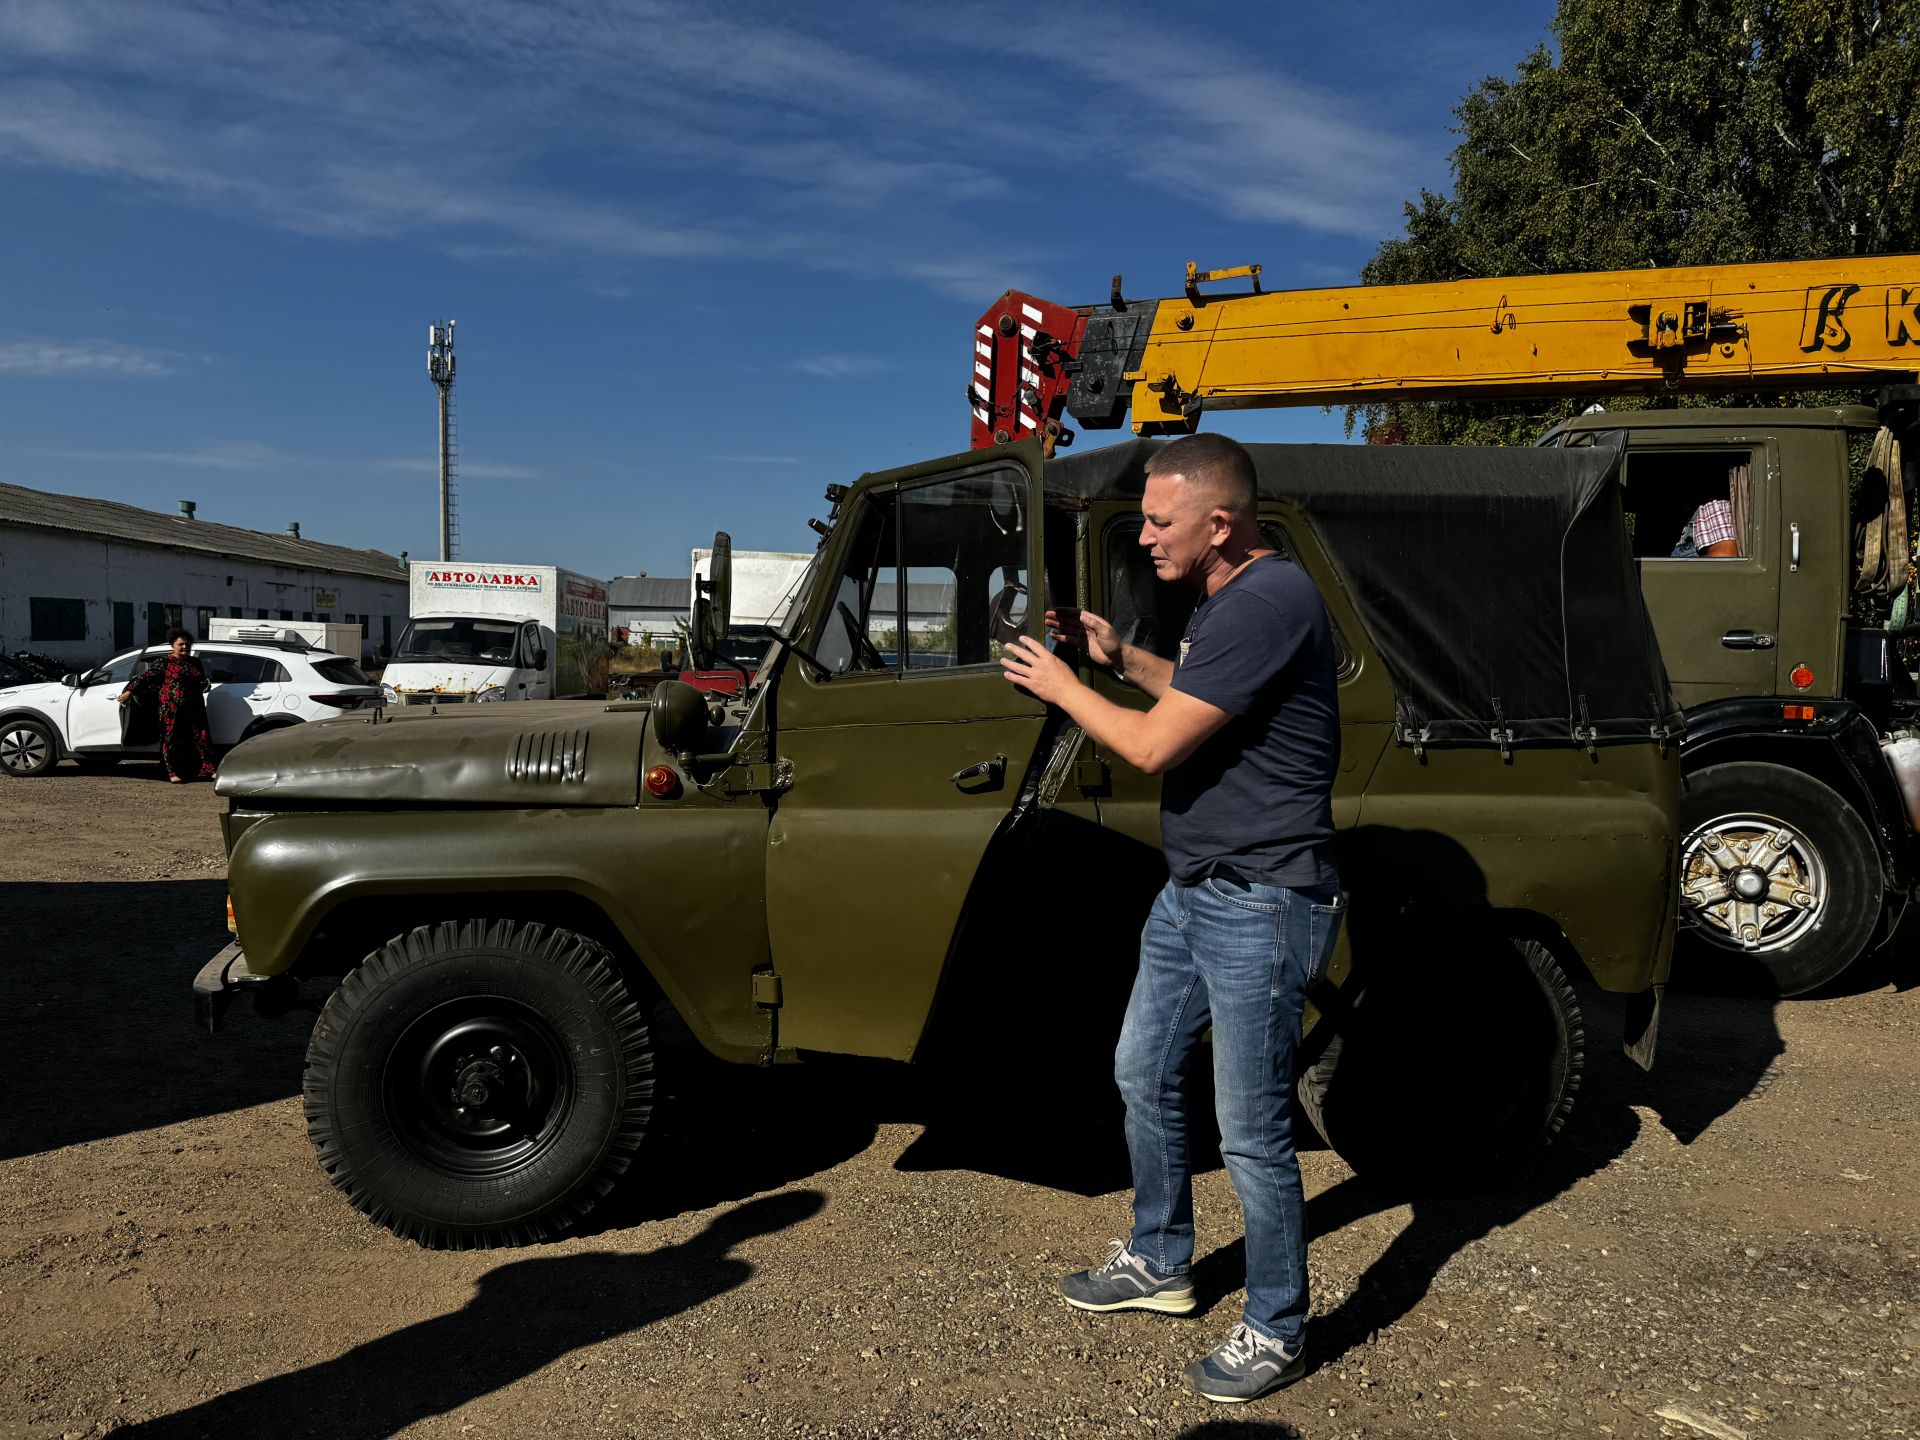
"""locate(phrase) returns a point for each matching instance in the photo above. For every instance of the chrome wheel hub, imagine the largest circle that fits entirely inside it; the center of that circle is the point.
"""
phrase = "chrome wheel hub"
(1751, 883)
(22, 749)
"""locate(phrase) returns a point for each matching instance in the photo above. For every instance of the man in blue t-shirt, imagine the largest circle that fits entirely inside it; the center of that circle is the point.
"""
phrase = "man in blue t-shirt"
(1245, 727)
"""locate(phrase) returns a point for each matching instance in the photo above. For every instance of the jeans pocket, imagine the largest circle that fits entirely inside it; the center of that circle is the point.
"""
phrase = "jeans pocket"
(1323, 930)
(1247, 895)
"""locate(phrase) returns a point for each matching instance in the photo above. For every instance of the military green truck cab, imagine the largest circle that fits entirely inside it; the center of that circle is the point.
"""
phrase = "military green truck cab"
(1797, 854)
(881, 848)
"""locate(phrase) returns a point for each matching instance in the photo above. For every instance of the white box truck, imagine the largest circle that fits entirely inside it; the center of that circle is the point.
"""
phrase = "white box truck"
(478, 633)
(347, 640)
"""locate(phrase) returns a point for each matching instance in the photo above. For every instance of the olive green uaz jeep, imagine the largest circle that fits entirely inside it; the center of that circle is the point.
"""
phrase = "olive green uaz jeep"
(881, 848)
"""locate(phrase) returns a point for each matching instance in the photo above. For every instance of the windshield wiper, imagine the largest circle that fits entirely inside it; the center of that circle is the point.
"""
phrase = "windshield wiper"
(819, 669)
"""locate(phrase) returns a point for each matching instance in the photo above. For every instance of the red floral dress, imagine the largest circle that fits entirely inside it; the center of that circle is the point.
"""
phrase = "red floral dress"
(185, 746)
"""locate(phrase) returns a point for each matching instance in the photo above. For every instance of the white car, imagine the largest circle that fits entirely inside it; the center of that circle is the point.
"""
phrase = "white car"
(255, 687)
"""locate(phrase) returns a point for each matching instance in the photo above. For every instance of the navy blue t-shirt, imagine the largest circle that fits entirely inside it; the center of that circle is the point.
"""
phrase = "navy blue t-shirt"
(1257, 796)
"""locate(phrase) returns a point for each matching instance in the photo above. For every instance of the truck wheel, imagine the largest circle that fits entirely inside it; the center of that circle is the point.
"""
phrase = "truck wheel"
(1451, 1062)
(1776, 870)
(480, 1082)
(26, 748)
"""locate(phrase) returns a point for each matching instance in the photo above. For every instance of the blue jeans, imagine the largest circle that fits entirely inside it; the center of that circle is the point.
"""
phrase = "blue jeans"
(1239, 956)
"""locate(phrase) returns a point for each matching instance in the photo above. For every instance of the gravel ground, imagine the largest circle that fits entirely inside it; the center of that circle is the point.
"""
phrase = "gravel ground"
(1729, 1247)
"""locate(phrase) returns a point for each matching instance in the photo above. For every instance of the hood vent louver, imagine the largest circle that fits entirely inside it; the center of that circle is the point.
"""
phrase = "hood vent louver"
(549, 756)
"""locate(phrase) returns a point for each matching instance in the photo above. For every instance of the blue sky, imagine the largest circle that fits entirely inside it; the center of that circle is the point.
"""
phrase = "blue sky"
(704, 259)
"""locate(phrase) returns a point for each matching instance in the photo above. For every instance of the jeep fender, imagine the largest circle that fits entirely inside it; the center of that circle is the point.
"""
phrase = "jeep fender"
(681, 888)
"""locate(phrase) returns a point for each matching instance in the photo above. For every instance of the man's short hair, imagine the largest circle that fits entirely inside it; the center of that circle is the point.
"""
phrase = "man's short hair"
(1219, 465)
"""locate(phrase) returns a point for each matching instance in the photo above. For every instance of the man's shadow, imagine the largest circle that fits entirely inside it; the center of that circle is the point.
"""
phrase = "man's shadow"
(524, 1315)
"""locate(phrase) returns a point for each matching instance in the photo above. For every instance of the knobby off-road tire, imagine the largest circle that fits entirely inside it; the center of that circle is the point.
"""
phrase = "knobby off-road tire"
(27, 749)
(1461, 1061)
(480, 1082)
(1811, 905)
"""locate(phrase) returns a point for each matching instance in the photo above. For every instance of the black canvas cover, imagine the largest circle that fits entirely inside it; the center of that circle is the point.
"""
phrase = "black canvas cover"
(1497, 584)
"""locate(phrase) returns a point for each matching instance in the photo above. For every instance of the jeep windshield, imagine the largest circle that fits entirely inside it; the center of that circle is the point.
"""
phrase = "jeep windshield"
(459, 640)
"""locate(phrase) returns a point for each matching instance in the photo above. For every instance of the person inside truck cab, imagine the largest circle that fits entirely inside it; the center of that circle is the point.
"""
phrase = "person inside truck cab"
(1708, 534)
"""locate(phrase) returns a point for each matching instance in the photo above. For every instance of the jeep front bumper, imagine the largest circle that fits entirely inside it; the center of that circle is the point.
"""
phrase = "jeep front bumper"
(224, 976)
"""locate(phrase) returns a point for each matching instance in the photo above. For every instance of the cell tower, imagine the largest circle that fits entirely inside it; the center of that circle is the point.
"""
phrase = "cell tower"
(440, 371)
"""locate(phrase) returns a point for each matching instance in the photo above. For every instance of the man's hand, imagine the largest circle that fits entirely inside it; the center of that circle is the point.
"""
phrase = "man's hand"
(1086, 631)
(1027, 663)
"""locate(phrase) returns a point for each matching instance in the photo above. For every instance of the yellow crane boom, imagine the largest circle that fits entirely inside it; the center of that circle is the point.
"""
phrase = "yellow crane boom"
(1793, 325)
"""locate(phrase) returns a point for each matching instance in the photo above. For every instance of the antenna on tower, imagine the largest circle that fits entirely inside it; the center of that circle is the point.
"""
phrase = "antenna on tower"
(440, 372)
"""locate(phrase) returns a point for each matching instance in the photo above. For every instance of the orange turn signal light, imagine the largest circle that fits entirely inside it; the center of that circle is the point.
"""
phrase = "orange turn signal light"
(1801, 677)
(1796, 712)
(233, 927)
(661, 780)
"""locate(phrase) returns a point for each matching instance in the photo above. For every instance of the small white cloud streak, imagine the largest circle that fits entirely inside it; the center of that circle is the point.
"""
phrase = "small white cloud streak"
(36, 357)
(840, 367)
(237, 456)
(463, 469)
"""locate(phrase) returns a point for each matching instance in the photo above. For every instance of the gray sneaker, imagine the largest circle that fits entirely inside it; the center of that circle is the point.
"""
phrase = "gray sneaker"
(1125, 1282)
(1246, 1367)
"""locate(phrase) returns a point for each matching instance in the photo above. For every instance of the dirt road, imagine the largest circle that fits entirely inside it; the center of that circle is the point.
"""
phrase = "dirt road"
(1729, 1247)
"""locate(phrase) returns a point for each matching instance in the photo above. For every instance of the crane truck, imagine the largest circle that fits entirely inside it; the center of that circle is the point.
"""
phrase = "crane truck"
(1801, 751)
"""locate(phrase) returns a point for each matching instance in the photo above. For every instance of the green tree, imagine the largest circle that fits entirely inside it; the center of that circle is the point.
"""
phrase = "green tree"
(1668, 132)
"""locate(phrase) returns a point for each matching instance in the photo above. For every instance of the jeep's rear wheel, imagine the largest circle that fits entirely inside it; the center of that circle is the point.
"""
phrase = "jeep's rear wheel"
(481, 1082)
(1777, 872)
(26, 748)
(1466, 1060)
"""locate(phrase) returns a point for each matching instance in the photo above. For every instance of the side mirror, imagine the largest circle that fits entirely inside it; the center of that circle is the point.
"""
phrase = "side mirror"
(679, 716)
(73, 681)
(540, 658)
(713, 604)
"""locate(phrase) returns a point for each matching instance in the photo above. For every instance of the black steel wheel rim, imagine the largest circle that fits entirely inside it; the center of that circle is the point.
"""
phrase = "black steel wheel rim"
(479, 1087)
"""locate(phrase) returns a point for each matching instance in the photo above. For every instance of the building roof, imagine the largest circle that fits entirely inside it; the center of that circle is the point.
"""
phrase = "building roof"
(649, 592)
(76, 514)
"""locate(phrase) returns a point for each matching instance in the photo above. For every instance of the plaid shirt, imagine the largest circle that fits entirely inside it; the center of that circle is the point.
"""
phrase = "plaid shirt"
(1712, 523)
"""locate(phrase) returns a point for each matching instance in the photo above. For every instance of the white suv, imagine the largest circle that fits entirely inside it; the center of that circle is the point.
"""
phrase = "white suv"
(255, 687)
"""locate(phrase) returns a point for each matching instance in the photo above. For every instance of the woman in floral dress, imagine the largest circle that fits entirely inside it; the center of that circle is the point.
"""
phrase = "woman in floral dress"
(180, 683)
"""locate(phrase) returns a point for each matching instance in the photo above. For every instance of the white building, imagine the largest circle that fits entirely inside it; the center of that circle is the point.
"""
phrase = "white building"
(83, 579)
(647, 607)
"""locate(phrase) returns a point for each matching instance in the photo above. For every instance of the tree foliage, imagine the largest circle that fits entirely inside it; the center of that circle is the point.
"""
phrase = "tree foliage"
(1669, 132)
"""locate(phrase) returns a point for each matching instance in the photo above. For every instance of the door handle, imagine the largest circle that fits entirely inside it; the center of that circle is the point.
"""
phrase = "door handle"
(1746, 640)
(987, 775)
(1793, 562)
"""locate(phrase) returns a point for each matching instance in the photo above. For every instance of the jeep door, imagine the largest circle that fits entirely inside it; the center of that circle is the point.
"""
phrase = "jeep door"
(907, 746)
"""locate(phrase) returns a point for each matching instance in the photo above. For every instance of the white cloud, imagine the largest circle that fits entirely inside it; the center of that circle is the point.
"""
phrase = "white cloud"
(238, 455)
(36, 357)
(840, 367)
(463, 469)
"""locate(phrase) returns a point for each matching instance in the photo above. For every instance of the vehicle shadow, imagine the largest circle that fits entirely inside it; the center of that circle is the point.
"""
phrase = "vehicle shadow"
(1714, 1052)
(96, 1015)
(525, 1314)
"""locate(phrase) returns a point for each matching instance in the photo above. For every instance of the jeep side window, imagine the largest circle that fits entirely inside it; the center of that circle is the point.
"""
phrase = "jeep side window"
(935, 577)
(867, 583)
(1152, 614)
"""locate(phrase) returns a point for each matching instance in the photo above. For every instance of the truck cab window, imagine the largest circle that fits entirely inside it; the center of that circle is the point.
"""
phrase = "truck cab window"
(1689, 504)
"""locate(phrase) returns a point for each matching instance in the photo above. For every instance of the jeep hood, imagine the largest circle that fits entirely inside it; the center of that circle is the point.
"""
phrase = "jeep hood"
(533, 753)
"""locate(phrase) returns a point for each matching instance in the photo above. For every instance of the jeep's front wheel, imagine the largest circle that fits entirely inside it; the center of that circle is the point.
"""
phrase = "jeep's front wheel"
(480, 1082)
(1469, 1060)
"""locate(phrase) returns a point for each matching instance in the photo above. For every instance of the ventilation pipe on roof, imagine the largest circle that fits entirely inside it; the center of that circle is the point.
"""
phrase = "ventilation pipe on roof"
(293, 528)
(187, 507)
